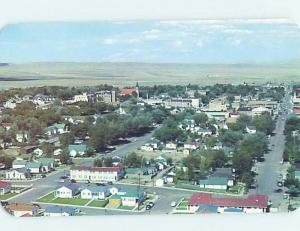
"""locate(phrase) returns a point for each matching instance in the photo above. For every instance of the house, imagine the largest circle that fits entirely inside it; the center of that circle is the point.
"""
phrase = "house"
(22, 137)
(27, 149)
(97, 174)
(94, 192)
(255, 203)
(48, 164)
(225, 173)
(50, 131)
(19, 163)
(131, 197)
(147, 148)
(61, 128)
(218, 146)
(38, 151)
(17, 174)
(204, 132)
(214, 183)
(5, 187)
(250, 129)
(77, 149)
(67, 191)
(191, 145)
(57, 211)
(22, 210)
(171, 145)
(34, 167)
(57, 152)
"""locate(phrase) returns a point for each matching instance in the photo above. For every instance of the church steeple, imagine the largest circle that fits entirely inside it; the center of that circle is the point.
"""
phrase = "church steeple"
(137, 90)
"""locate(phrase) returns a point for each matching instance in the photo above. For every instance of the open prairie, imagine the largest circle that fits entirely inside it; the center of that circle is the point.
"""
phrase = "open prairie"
(126, 74)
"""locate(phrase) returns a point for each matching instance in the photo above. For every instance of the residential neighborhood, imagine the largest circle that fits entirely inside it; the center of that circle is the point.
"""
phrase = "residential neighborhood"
(159, 150)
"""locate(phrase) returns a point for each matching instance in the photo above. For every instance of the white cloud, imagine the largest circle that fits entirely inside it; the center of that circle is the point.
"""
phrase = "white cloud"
(199, 43)
(237, 31)
(151, 36)
(109, 41)
(178, 43)
(236, 42)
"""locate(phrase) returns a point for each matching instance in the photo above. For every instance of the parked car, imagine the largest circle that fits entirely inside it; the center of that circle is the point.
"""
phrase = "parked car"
(173, 203)
(73, 181)
(151, 203)
(44, 175)
(148, 207)
(279, 184)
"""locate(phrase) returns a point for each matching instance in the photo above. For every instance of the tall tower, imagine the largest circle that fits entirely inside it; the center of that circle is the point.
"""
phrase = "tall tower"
(137, 90)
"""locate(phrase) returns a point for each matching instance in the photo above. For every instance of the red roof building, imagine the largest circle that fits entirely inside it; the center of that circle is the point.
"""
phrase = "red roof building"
(5, 187)
(128, 91)
(253, 203)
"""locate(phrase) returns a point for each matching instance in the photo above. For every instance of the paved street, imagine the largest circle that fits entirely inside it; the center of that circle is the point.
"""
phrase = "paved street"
(269, 170)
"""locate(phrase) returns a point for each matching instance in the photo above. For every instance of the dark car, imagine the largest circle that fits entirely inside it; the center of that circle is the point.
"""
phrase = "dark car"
(73, 181)
(110, 182)
(43, 176)
(279, 190)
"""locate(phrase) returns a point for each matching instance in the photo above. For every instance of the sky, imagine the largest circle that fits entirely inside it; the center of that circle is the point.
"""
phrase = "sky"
(171, 41)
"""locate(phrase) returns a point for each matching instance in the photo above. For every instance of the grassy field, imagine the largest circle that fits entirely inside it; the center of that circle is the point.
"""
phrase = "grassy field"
(98, 203)
(47, 198)
(70, 201)
(127, 74)
(7, 196)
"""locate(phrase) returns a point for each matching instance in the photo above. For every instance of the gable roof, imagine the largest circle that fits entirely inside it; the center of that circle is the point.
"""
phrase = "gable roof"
(77, 147)
(72, 187)
(214, 181)
(20, 207)
(95, 188)
(4, 184)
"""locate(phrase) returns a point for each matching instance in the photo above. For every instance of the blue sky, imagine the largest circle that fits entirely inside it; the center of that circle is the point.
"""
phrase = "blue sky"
(194, 41)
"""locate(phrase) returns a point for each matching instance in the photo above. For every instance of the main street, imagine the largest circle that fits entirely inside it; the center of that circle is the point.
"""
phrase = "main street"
(269, 170)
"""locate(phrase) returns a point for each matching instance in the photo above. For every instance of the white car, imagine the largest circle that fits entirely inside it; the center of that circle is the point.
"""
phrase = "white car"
(173, 203)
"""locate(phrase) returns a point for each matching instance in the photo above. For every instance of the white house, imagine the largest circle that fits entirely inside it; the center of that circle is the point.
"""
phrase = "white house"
(171, 145)
(22, 137)
(94, 192)
(191, 145)
(147, 148)
(67, 191)
(17, 174)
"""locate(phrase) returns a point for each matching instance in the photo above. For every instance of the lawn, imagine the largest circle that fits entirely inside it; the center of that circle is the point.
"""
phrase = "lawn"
(47, 198)
(236, 189)
(7, 196)
(182, 205)
(98, 203)
(70, 201)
